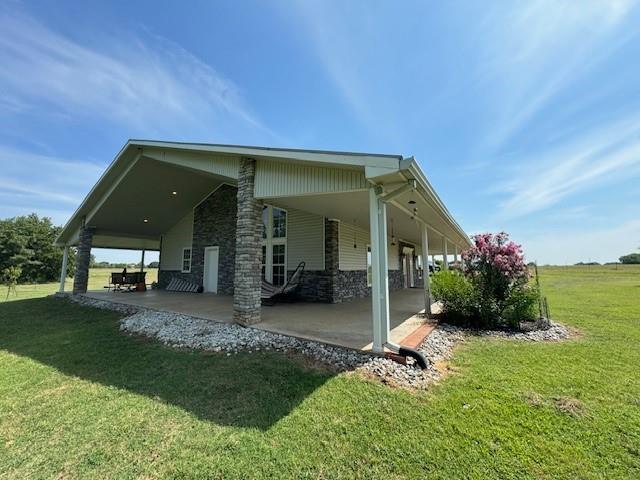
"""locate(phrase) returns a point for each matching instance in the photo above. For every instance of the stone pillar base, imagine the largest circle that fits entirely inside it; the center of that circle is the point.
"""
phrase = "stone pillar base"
(247, 288)
(83, 257)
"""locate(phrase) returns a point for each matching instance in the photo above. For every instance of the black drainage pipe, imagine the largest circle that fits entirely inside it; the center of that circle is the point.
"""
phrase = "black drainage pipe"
(416, 355)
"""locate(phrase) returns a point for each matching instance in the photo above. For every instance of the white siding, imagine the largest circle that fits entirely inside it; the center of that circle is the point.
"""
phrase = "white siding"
(356, 258)
(305, 240)
(180, 236)
(278, 179)
(218, 164)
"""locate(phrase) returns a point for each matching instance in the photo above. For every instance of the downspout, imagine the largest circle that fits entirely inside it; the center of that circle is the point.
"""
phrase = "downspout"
(394, 347)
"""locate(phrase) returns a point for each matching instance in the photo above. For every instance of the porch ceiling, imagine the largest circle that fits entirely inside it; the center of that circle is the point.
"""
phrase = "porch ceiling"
(353, 208)
(146, 193)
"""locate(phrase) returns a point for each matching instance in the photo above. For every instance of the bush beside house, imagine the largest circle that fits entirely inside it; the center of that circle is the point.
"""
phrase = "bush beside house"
(493, 290)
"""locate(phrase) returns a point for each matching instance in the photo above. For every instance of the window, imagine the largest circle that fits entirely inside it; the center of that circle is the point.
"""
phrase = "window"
(369, 268)
(274, 244)
(186, 260)
(279, 223)
(278, 265)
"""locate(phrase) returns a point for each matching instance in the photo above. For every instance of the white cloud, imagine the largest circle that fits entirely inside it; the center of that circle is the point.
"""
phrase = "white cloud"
(149, 84)
(572, 246)
(45, 184)
(595, 159)
(535, 50)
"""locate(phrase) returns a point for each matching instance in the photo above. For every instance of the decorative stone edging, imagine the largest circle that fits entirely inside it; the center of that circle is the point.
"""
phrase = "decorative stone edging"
(184, 331)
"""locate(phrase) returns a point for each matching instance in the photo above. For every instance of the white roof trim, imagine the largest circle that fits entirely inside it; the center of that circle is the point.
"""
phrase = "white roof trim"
(374, 164)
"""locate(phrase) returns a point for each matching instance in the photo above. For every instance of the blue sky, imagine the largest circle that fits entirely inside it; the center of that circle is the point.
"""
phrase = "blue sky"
(524, 115)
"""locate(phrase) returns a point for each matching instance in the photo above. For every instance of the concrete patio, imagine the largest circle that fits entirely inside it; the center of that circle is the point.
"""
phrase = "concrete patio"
(346, 324)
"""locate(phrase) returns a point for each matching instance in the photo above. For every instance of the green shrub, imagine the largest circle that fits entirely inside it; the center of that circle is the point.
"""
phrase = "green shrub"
(522, 306)
(458, 296)
(464, 304)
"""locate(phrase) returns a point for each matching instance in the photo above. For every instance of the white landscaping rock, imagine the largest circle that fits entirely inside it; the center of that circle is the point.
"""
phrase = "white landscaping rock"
(178, 330)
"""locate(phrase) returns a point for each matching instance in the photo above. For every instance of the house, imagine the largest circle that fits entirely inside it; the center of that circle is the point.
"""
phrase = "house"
(226, 216)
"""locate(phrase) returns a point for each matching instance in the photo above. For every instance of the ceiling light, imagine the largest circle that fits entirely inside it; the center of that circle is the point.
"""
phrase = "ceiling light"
(146, 220)
(174, 193)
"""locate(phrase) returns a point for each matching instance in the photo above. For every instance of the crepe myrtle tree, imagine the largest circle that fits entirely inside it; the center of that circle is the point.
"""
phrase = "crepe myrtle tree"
(495, 265)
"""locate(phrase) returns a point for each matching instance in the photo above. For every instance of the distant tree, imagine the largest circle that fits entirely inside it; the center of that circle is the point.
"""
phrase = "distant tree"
(632, 258)
(10, 276)
(92, 261)
(153, 265)
(587, 263)
(27, 242)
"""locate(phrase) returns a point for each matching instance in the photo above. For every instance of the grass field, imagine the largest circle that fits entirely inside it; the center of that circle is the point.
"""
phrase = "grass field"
(98, 278)
(78, 399)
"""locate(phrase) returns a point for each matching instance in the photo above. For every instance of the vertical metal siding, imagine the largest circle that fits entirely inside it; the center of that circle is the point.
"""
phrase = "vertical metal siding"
(305, 240)
(356, 258)
(278, 179)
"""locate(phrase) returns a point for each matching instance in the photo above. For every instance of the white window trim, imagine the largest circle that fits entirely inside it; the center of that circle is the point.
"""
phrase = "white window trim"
(269, 242)
(182, 260)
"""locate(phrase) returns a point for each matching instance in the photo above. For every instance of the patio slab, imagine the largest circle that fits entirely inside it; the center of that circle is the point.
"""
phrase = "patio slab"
(346, 324)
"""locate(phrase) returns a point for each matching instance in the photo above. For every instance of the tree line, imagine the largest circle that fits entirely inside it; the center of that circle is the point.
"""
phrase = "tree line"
(27, 252)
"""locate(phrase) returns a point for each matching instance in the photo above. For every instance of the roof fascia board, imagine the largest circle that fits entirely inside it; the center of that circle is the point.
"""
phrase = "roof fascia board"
(111, 189)
(371, 172)
(112, 166)
(313, 156)
(410, 165)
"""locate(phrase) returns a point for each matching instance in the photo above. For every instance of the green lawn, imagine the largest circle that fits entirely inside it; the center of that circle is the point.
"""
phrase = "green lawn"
(80, 399)
(98, 278)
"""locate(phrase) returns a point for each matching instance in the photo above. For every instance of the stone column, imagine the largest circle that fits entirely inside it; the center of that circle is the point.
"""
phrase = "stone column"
(331, 259)
(247, 275)
(83, 257)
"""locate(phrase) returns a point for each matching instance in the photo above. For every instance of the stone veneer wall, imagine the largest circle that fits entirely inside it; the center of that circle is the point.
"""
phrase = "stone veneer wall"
(214, 225)
(83, 258)
(248, 253)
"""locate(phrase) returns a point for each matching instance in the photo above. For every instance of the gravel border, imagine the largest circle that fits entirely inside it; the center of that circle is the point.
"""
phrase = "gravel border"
(184, 331)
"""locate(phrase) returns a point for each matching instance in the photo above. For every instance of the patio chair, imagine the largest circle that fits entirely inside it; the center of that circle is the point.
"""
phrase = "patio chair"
(288, 292)
(116, 280)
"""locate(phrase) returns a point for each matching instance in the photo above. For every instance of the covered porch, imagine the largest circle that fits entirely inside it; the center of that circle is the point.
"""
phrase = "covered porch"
(345, 324)
(364, 225)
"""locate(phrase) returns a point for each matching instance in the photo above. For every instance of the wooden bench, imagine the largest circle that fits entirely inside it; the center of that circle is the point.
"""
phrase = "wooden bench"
(130, 280)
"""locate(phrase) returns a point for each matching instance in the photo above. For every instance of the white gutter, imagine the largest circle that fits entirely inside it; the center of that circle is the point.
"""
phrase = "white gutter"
(410, 166)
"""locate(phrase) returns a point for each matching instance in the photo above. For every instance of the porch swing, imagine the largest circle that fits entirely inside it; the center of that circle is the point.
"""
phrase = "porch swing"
(271, 293)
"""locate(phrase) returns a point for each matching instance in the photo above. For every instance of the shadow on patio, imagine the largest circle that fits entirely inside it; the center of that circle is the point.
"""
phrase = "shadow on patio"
(244, 390)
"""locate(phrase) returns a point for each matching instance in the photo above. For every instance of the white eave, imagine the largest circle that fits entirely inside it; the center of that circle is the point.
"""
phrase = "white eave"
(377, 168)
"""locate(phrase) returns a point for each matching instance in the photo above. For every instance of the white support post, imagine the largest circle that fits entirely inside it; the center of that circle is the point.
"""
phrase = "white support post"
(379, 271)
(375, 271)
(445, 254)
(63, 271)
(426, 282)
(142, 261)
(384, 270)
(455, 254)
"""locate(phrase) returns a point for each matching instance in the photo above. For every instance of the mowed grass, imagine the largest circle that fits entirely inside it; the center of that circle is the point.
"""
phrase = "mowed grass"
(98, 278)
(78, 399)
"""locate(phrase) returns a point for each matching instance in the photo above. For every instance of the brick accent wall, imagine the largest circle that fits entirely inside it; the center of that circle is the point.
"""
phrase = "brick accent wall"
(83, 257)
(214, 224)
(248, 275)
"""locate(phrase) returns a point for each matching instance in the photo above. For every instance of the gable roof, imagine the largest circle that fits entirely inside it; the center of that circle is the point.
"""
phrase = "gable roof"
(376, 167)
